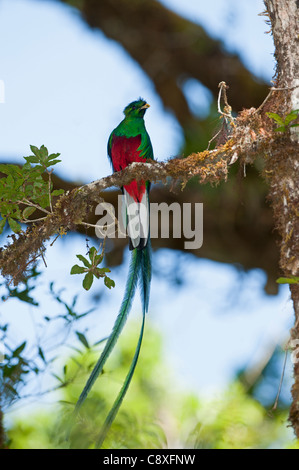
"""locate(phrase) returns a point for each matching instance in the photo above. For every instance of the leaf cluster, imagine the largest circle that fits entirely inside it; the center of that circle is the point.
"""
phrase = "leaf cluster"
(284, 123)
(91, 269)
(29, 186)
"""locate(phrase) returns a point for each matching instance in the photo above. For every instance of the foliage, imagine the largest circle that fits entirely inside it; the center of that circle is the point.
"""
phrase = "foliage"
(32, 187)
(153, 415)
(288, 280)
(25, 361)
(22, 292)
(27, 186)
(284, 123)
(237, 421)
(92, 270)
(16, 363)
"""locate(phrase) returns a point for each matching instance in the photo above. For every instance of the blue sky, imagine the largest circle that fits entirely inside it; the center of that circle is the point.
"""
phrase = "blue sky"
(65, 87)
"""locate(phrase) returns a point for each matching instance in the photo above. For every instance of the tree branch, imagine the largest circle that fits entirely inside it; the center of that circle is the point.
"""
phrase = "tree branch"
(248, 139)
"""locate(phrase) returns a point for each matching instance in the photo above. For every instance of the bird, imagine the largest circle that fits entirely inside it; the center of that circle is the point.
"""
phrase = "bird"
(129, 142)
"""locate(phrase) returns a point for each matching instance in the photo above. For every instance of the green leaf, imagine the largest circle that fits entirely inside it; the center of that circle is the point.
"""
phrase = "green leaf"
(275, 117)
(34, 150)
(2, 225)
(280, 129)
(43, 153)
(36, 171)
(288, 280)
(14, 225)
(83, 339)
(32, 159)
(109, 282)
(4, 169)
(8, 169)
(44, 200)
(77, 269)
(84, 261)
(53, 156)
(290, 117)
(104, 270)
(57, 192)
(100, 272)
(26, 167)
(28, 189)
(10, 181)
(87, 281)
(19, 349)
(294, 125)
(41, 354)
(92, 253)
(58, 378)
(53, 162)
(28, 211)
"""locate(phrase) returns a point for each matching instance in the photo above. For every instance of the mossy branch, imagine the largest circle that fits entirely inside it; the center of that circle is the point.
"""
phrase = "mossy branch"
(248, 137)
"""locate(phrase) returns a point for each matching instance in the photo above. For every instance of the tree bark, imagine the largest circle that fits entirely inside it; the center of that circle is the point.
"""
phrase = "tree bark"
(244, 219)
(283, 160)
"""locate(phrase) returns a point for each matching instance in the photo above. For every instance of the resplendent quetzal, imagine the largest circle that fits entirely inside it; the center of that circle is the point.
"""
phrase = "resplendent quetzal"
(129, 142)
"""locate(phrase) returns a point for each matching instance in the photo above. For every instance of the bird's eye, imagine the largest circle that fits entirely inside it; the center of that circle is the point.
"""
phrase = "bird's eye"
(133, 107)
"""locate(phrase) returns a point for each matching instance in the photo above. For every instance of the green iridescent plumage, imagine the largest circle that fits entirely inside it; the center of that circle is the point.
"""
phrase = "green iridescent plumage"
(129, 142)
(131, 126)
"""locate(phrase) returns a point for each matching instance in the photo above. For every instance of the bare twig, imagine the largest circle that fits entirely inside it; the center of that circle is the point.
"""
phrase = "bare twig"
(43, 258)
(27, 221)
(223, 87)
(270, 94)
(281, 381)
(213, 138)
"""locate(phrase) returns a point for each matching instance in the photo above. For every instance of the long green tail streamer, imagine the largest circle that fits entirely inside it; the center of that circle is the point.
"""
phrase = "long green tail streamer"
(140, 269)
(117, 328)
(116, 405)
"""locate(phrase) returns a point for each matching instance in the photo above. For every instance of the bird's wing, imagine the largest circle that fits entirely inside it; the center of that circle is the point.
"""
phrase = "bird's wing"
(109, 149)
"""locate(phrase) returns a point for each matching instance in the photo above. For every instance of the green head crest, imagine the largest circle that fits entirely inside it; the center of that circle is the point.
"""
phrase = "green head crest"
(136, 109)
